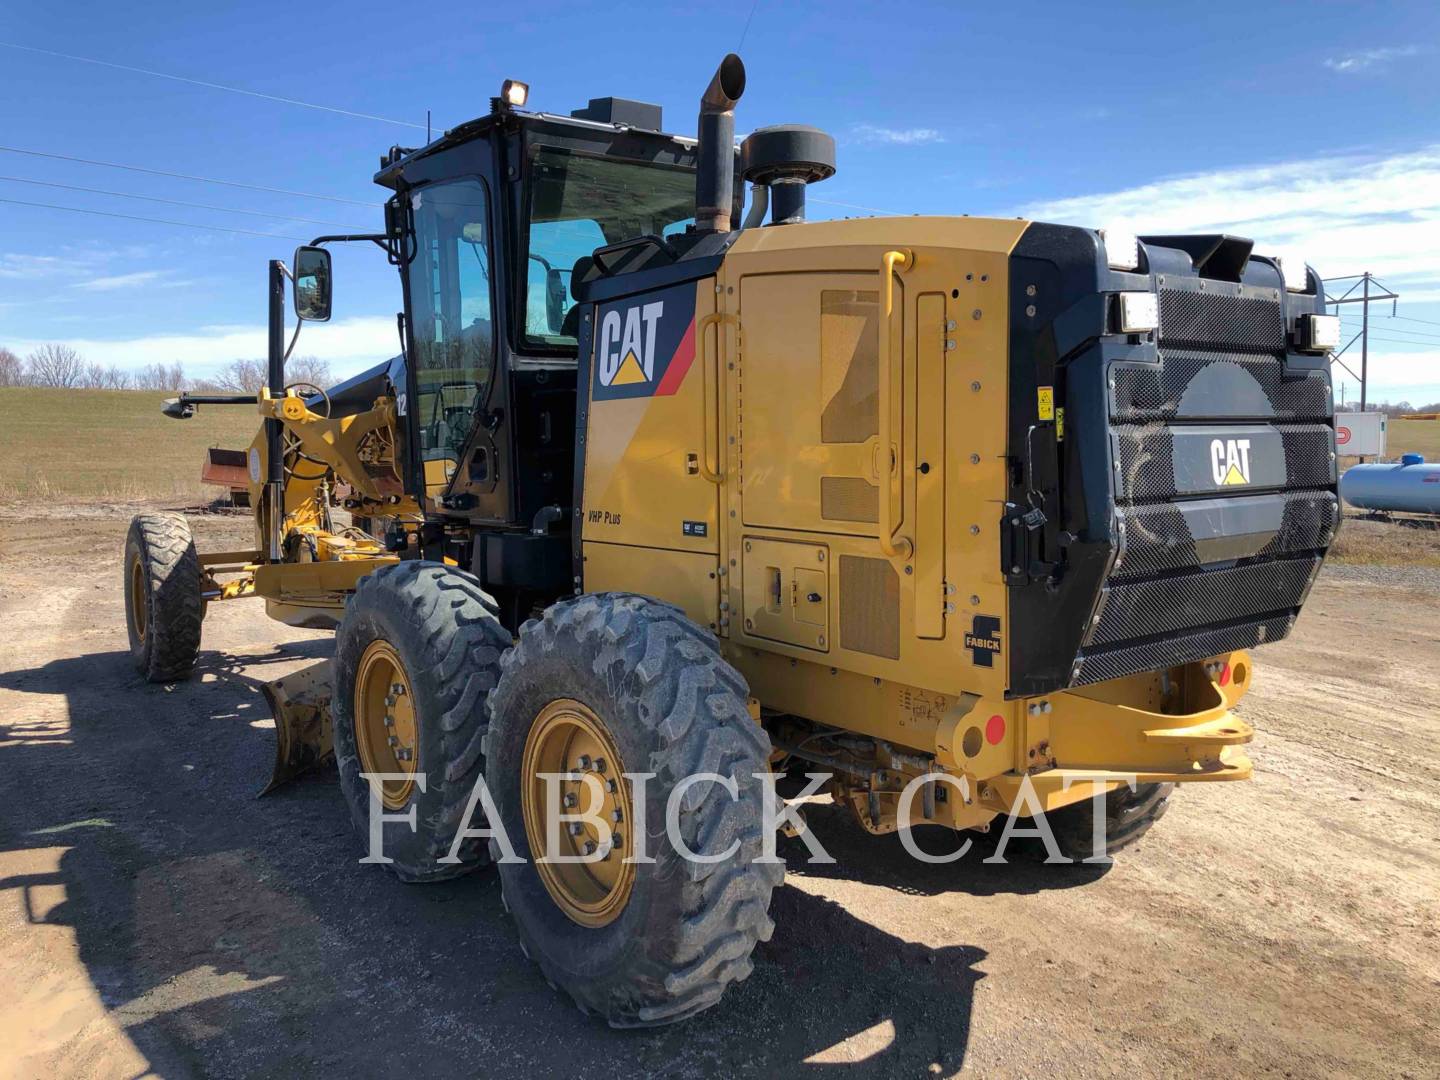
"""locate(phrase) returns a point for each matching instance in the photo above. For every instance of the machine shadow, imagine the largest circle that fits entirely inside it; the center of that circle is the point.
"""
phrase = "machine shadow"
(883, 861)
(225, 932)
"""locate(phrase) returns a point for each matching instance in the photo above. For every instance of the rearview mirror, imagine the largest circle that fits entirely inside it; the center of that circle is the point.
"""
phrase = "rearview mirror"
(312, 284)
(556, 296)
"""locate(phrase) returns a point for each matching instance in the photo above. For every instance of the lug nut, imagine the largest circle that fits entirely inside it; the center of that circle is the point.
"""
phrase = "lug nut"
(571, 800)
(616, 815)
(398, 689)
(611, 786)
(600, 764)
(583, 765)
(576, 828)
(392, 740)
(615, 840)
(589, 847)
(404, 754)
(389, 720)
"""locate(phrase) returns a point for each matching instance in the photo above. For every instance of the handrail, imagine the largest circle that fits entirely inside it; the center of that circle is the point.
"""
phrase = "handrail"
(890, 544)
(703, 458)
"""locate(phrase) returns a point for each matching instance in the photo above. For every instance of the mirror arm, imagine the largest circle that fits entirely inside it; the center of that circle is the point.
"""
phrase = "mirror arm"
(346, 238)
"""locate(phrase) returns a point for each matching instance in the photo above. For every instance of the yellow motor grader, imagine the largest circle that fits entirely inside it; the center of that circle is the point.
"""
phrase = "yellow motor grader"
(987, 510)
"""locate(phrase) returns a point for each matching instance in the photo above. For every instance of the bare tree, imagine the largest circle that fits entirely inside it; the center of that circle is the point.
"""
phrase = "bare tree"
(117, 378)
(308, 369)
(242, 376)
(12, 370)
(55, 365)
(160, 377)
(248, 376)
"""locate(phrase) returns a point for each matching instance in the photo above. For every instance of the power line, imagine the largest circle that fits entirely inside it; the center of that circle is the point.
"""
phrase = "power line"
(1375, 336)
(1427, 335)
(183, 176)
(210, 85)
(856, 206)
(178, 202)
(1409, 318)
(156, 221)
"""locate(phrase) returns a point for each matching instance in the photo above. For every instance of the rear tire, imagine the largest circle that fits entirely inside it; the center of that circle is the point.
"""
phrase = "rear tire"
(671, 706)
(163, 607)
(1128, 817)
(437, 630)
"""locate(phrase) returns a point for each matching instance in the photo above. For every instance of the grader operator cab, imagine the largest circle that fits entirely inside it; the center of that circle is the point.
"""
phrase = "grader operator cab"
(985, 510)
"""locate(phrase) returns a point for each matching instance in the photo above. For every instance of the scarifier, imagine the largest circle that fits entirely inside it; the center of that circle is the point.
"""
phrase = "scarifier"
(654, 489)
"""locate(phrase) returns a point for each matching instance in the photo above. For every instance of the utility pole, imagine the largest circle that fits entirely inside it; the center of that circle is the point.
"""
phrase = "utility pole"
(1364, 337)
(1366, 298)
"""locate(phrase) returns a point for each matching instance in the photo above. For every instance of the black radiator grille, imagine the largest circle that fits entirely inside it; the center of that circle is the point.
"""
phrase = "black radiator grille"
(1250, 323)
(1157, 392)
(1180, 601)
(1147, 467)
(1157, 538)
(1094, 666)
(1204, 569)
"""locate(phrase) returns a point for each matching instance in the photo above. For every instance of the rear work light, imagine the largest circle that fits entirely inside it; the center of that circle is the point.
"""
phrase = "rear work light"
(1317, 333)
(1139, 312)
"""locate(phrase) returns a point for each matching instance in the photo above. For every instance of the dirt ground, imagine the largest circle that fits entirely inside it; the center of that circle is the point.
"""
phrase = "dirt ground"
(155, 917)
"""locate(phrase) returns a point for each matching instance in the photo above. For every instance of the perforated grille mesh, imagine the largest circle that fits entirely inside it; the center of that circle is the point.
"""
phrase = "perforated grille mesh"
(1249, 323)
(1157, 537)
(1311, 518)
(1097, 666)
(1221, 367)
(1145, 393)
(1147, 467)
(1199, 598)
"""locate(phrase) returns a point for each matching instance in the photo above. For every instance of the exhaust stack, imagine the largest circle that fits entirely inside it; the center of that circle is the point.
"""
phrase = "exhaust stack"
(715, 170)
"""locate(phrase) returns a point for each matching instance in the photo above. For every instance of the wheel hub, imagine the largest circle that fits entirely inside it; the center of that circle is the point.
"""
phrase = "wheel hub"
(386, 733)
(569, 739)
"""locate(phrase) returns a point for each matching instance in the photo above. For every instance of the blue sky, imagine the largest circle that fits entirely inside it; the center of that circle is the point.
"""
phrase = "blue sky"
(1313, 127)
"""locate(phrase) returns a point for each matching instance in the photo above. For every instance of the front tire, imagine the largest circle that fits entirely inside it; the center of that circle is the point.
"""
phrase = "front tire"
(639, 944)
(416, 657)
(163, 606)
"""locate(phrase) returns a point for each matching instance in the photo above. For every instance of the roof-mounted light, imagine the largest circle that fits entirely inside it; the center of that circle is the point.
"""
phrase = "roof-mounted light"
(1295, 272)
(1122, 249)
(515, 93)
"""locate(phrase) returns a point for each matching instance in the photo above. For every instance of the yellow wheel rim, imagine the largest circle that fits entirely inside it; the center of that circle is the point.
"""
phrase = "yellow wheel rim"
(386, 734)
(139, 613)
(569, 739)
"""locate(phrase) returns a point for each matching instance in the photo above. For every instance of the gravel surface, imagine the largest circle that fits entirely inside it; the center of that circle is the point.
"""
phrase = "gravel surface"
(155, 917)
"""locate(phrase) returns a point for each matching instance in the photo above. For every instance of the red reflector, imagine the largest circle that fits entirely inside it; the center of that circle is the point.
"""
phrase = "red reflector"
(1225, 674)
(995, 729)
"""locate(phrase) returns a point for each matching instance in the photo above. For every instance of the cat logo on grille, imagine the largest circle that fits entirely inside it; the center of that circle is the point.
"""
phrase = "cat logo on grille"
(1230, 462)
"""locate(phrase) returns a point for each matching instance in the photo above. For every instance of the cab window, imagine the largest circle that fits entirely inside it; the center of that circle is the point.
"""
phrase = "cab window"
(577, 202)
(452, 318)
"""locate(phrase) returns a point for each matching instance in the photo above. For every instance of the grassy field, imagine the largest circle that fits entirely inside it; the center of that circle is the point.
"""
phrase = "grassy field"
(103, 445)
(1413, 436)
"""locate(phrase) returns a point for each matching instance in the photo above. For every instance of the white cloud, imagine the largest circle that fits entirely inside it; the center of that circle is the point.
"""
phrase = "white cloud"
(19, 267)
(1366, 59)
(120, 281)
(1345, 214)
(349, 345)
(871, 133)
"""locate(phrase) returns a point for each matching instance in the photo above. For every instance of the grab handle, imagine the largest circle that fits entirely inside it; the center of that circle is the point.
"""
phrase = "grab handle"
(702, 459)
(890, 544)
